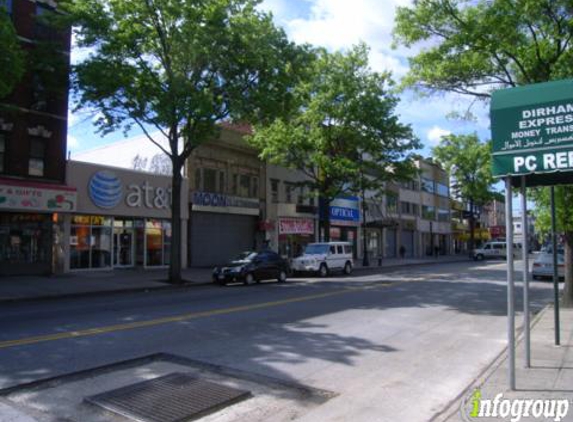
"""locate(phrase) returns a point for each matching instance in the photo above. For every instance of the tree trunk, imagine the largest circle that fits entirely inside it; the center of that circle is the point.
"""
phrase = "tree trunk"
(175, 264)
(326, 227)
(365, 257)
(472, 242)
(567, 298)
(324, 219)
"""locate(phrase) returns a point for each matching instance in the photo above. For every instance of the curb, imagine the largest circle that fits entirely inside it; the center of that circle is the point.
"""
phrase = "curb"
(147, 289)
(193, 284)
(454, 405)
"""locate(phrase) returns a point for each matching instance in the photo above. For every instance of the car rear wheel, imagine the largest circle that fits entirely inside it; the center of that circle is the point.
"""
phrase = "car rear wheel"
(479, 257)
(323, 270)
(249, 279)
(347, 268)
(282, 277)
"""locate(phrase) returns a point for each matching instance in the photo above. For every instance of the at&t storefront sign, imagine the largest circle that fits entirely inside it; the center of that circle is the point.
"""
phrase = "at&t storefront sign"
(106, 190)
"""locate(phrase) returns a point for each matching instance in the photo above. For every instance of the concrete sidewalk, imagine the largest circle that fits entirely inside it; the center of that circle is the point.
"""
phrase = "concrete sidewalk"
(550, 376)
(83, 283)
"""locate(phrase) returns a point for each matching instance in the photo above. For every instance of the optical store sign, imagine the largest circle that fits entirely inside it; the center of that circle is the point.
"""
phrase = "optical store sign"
(532, 129)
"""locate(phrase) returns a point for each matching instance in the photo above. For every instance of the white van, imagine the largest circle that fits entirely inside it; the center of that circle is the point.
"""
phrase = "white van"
(496, 250)
(324, 257)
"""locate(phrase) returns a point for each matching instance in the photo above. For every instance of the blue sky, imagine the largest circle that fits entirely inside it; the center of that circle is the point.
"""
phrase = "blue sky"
(337, 25)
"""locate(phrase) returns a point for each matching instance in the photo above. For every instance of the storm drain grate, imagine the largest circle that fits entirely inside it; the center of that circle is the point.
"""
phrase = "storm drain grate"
(174, 397)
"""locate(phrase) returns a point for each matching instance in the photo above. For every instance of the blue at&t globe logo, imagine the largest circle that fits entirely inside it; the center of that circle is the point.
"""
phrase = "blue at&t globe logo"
(105, 189)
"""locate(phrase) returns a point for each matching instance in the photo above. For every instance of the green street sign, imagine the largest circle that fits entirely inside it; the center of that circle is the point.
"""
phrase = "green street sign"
(532, 131)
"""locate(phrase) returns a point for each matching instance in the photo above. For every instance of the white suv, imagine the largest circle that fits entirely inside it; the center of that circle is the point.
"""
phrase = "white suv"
(324, 257)
(496, 250)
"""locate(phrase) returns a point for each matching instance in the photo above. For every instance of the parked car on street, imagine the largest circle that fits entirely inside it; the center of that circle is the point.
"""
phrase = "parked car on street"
(496, 250)
(322, 258)
(252, 267)
(543, 265)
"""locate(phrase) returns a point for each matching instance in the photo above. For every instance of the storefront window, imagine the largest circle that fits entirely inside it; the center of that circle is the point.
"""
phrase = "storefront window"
(158, 243)
(25, 239)
(90, 242)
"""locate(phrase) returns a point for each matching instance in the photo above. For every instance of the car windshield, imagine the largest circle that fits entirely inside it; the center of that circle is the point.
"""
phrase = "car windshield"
(316, 249)
(549, 250)
(245, 256)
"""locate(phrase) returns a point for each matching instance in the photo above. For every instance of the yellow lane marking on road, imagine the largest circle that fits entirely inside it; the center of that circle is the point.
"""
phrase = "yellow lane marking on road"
(160, 321)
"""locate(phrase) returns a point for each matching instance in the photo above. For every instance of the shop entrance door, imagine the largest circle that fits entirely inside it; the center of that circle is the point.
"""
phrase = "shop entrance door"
(123, 247)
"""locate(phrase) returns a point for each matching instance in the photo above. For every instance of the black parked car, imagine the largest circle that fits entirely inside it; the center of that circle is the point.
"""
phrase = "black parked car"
(252, 267)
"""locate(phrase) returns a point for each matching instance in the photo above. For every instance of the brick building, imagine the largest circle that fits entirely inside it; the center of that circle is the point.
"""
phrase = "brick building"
(33, 133)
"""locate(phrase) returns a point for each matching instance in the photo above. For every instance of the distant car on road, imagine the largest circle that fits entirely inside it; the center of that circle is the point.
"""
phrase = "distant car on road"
(324, 258)
(252, 267)
(495, 250)
(543, 265)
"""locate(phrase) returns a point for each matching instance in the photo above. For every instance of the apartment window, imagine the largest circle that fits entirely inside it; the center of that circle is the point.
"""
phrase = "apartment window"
(254, 187)
(8, 5)
(392, 202)
(39, 94)
(289, 188)
(209, 180)
(442, 190)
(300, 196)
(443, 215)
(42, 29)
(275, 191)
(411, 185)
(235, 184)
(198, 184)
(36, 162)
(222, 182)
(2, 152)
(428, 185)
(428, 212)
(415, 209)
(244, 185)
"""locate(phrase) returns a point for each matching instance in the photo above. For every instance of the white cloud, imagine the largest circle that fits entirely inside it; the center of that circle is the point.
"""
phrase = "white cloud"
(339, 24)
(435, 135)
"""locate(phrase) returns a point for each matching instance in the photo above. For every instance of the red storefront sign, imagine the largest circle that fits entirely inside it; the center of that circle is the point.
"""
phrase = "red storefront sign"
(497, 231)
(296, 226)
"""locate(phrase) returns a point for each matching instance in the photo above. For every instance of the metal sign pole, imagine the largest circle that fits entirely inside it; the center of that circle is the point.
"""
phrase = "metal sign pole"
(510, 284)
(525, 250)
(555, 268)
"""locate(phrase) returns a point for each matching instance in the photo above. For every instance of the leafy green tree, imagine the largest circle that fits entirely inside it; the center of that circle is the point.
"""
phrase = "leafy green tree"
(469, 163)
(12, 59)
(476, 47)
(343, 129)
(180, 67)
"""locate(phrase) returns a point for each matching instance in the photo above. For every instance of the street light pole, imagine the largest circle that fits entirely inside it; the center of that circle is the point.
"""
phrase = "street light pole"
(555, 269)
(510, 284)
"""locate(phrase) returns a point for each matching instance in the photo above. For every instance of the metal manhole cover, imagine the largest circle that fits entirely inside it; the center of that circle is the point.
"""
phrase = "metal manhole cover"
(174, 397)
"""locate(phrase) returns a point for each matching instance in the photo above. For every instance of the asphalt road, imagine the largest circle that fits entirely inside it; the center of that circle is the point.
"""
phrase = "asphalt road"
(394, 346)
